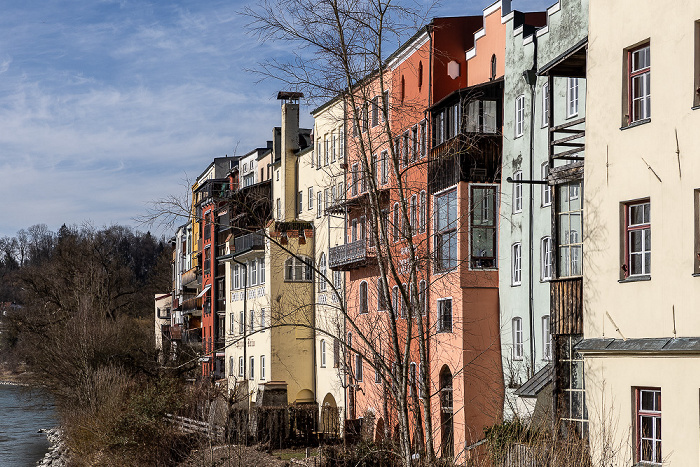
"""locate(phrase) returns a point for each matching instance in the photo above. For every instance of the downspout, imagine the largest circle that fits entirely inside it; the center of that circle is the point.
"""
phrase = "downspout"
(531, 79)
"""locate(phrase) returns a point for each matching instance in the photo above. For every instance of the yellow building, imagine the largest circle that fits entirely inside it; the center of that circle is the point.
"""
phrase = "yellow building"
(642, 233)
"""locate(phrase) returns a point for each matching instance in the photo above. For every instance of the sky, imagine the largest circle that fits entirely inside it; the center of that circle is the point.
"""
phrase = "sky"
(108, 105)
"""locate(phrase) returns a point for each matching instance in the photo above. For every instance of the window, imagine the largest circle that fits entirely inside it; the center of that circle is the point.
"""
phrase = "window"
(516, 264)
(444, 315)
(571, 97)
(414, 214)
(232, 323)
(423, 210)
(358, 367)
(546, 339)
(421, 381)
(334, 143)
(385, 105)
(322, 276)
(395, 298)
(481, 117)
(423, 139)
(231, 367)
(422, 297)
(446, 231)
(517, 192)
(251, 370)
(253, 268)
(326, 149)
(545, 105)
(262, 318)
(261, 262)
(241, 370)
(338, 280)
(414, 143)
(648, 425)
(412, 379)
(546, 189)
(373, 169)
(381, 295)
(405, 147)
(326, 199)
(319, 203)
(279, 209)
(519, 115)
(420, 75)
(546, 258)
(251, 321)
(518, 339)
(300, 203)
(363, 297)
(638, 86)
(236, 277)
(355, 178)
(395, 226)
(637, 239)
(404, 307)
(262, 367)
(375, 111)
(574, 398)
(377, 370)
(319, 152)
(336, 352)
(297, 270)
(353, 230)
(323, 353)
(241, 324)
(483, 226)
(385, 167)
(569, 229)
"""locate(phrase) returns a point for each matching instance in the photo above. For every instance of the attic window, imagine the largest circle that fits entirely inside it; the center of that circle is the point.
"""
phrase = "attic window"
(420, 75)
(493, 66)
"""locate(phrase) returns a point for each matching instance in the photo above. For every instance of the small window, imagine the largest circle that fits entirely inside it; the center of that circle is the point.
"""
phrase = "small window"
(381, 295)
(297, 270)
(519, 115)
(516, 253)
(444, 318)
(251, 321)
(358, 367)
(334, 144)
(311, 198)
(638, 83)
(396, 225)
(517, 192)
(323, 353)
(414, 214)
(445, 224)
(262, 318)
(482, 226)
(241, 324)
(637, 239)
(363, 297)
(231, 367)
(546, 339)
(648, 426)
(518, 348)
(493, 67)
(241, 369)
(319, 204)
(385, 168)
(546, 259)
(251, 370)
(375, 111)
(423, 139)
(546, 189)
(569, 213)
(336, 352)
(322, 281)
(422, 297)
(571, 97)
(232, 323)
(262, 367)
(420, 75)
(423, 211)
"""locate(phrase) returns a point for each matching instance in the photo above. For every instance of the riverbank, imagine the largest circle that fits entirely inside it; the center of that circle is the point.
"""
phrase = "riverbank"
(58, 452)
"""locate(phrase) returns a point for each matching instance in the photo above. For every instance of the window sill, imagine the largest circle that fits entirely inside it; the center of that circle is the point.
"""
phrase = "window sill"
(637, 123)
(516, 285)
(696, 274)
(645, 277)
(695, 107)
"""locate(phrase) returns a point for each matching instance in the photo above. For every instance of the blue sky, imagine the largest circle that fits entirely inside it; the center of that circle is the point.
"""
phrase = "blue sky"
(106, 105)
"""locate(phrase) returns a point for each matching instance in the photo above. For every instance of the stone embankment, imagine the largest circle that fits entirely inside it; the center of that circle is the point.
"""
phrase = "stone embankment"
(58, 453)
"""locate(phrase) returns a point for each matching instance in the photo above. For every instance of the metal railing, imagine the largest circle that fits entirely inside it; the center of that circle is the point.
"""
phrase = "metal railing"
(251, 241)
(349, 254)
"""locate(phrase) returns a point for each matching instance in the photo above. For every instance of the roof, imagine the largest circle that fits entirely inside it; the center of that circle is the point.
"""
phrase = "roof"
(571, 63)
(537, 383)
(653, 345)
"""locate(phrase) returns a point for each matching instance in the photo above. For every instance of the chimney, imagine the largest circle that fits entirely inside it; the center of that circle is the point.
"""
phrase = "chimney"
(290, 145)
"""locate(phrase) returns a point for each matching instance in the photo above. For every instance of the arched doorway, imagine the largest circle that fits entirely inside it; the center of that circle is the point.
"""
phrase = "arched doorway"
(330, 417)
(379, 430)
(446, 414)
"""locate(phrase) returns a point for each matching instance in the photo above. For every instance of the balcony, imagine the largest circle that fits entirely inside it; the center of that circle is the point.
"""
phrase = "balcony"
(176, 332)
(248, 242)
(192, 336)
(351, 256)
(567, 305)
(464, 158)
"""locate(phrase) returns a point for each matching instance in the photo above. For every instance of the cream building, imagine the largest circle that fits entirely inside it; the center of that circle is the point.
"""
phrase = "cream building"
(641, 232)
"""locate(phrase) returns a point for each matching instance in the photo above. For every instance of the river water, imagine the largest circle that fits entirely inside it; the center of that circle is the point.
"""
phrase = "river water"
(22, 414)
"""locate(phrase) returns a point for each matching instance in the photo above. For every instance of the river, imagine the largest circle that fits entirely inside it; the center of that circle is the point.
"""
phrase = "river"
(22, 415)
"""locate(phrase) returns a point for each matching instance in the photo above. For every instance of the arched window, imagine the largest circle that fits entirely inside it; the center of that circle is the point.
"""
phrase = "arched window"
(493, 66)
(323, 353)
(420, 75)
(446, 405)
(381, 295)
(363, 297)
(422, 290)
(322, 276)
(297, 269)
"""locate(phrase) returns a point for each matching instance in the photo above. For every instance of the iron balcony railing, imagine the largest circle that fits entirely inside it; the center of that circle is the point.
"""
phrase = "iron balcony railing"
(251, 241)
(351, 255)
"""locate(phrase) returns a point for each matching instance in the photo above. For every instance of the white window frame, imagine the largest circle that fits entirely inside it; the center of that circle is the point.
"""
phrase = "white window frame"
(517, 192)
(545, 105)
(546, 339)
(251, 369)
(516, 264)
(322, 347)
(571, 97)
(241, 369)
(519, 115)
(546, 259)
(546, 188)
(311, 198)
(262, 368)
(518, 342)
(440, 311)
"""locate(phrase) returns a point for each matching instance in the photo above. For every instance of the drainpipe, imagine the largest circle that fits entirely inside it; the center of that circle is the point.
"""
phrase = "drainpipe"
(531, 79)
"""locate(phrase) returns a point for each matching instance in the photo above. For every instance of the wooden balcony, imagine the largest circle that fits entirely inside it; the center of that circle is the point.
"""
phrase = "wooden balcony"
(351, 256)
(569, 144)
(465, 158)
(567, 305)
(249, 242)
